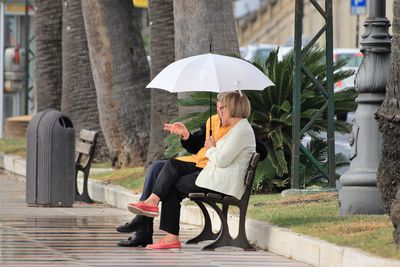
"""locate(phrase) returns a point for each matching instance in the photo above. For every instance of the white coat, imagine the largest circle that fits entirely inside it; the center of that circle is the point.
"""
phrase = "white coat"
(229, 160)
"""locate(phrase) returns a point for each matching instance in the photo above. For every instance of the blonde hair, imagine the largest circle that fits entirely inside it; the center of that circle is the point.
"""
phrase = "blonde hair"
(237, 104)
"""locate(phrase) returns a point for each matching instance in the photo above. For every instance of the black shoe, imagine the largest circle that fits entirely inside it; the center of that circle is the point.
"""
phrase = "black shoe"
(137, 223)
(137, 239)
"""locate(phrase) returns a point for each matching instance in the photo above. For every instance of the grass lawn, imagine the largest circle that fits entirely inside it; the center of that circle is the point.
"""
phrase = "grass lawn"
(317, 216)
(16, 146)
(131, 178)
(101, 165)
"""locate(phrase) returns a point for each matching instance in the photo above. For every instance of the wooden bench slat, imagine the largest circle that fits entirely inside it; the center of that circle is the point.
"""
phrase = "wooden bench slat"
(83, 148)
(197, 195)
(214, 196)
(249, 177)
(254, 160)
(87, 135)
(231, 200)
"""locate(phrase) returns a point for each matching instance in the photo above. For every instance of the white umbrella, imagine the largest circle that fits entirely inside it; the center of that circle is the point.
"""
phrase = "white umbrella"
(210, 73)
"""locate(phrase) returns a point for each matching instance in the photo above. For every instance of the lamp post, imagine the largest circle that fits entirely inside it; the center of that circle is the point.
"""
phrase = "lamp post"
(359, 193)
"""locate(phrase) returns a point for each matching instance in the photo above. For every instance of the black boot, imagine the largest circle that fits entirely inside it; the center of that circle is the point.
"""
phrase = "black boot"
(135, 224)
(140, 238)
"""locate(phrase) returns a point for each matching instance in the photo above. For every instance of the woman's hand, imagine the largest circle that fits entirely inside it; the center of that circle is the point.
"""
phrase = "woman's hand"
(209, 143)
(177, 128)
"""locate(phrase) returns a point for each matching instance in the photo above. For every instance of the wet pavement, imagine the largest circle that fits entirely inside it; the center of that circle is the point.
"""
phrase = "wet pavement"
(85, 236)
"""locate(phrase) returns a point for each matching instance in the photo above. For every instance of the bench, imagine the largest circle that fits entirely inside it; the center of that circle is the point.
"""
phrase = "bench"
(223, 237)
(84, 152)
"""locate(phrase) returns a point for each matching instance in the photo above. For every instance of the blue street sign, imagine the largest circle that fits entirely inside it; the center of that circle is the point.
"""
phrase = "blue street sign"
(358, 7)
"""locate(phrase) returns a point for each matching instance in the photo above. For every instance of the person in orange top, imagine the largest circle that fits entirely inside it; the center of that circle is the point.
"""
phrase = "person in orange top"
(218, 131)
(193, 143)
(229, 158)
(141, 226)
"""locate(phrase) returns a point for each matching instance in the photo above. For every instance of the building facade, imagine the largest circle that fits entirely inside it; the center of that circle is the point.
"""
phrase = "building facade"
(273, 23)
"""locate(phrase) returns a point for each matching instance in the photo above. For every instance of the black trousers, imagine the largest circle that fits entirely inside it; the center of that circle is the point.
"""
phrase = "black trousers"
(174, 183)
(172, 170)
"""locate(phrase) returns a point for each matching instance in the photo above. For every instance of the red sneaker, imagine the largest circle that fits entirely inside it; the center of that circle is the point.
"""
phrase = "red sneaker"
(141, 208)
(161, 244)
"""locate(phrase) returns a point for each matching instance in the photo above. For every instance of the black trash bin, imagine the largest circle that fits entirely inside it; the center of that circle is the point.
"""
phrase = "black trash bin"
(50, 166)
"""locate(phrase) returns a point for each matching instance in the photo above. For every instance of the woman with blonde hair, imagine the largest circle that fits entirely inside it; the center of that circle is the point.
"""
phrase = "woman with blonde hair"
(228, 159)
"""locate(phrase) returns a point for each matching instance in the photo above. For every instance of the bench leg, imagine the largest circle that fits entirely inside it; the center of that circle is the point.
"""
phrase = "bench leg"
(84, 197)
(225, 208)
(224, 238)
(241, 239)
(206, 233)
(76, 184)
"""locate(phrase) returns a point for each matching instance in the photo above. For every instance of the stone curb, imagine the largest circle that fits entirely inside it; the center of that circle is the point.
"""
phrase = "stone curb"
(267, 236)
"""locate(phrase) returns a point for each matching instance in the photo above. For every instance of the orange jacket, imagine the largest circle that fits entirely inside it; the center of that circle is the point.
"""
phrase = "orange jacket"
(218, 132)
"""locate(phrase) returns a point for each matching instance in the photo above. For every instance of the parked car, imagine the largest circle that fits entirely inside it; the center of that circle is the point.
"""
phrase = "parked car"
(283, 51)
(254, 52)
(354, 57)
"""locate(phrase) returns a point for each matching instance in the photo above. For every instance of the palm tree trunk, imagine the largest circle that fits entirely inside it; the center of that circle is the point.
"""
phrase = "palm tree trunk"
(389, 124)
(79, 101)
(203, 26)
(121, 72)
(48, 54)
(162, 52)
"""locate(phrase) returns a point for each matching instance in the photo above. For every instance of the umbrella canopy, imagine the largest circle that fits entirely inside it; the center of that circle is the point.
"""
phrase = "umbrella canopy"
(210, 73)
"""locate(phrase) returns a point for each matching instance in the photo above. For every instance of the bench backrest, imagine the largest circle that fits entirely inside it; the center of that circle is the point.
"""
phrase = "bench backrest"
(85, 148)
(250, 174)
(251, 171)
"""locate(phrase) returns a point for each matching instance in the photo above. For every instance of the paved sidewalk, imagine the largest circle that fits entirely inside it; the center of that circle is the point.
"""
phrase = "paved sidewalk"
(85, 236)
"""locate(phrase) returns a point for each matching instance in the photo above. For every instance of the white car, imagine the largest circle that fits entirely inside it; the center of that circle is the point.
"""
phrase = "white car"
(283, 51)
(255, 52)
(354, 57)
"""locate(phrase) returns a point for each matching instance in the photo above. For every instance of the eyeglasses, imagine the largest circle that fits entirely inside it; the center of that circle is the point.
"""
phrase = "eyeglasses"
(221, 108)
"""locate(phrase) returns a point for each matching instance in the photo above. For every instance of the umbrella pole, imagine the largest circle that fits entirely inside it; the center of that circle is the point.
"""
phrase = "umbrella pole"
(210, 116)
(210, 92)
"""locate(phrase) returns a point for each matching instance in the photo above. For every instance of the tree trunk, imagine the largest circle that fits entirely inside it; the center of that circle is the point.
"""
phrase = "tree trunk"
(388, 115)
(48, 54)
(79, 101)
(203, 26)
(121, 72)
(162, 52)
